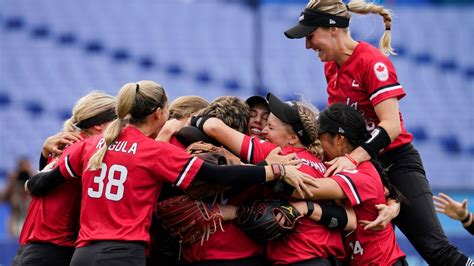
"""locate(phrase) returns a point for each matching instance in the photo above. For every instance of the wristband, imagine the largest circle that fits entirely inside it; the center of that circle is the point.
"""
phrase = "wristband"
(276, 171)
(468, 217)
(283, 171)
(310, 208)
(333, 216)
(378, 141)
(349, 157)
(198, 121)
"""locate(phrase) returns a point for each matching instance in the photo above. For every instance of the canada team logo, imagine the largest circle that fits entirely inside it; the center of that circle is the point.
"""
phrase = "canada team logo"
(381, 71)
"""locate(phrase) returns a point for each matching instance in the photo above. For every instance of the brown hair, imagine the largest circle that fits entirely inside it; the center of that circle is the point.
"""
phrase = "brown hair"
(231, 110)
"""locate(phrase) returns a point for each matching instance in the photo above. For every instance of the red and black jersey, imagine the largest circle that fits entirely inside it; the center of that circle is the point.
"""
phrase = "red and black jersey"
(118, 199)
(364, 189)
(222, 244)
(367, 78)
(54, 218)
(310, 239)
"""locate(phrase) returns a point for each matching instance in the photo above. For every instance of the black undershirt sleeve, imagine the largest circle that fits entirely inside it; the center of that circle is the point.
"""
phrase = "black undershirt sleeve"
(470, 228)
(43, 182)
(42, 161)
(242, 175)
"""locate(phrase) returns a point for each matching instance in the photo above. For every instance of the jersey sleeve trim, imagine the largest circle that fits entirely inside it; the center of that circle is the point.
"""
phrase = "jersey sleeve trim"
(69, 167)
(352, 187)
(249, 156)
(185, 171)
(384, 89)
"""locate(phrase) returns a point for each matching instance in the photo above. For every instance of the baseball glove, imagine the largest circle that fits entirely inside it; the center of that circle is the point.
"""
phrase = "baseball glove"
(189, 220)
(215, 155)
(268, 219)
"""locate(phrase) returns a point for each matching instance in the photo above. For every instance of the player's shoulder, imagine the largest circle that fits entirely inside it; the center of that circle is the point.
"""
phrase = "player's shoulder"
(370, 54)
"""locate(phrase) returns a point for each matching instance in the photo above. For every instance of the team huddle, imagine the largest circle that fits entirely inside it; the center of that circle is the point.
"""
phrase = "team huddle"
(134, 179)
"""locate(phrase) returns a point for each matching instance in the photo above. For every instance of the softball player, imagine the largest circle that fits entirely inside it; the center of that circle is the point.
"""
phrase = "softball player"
(51, 225)
(341, 128)
(122, 173)
(258, 115)
(364, 78)
(291, 127)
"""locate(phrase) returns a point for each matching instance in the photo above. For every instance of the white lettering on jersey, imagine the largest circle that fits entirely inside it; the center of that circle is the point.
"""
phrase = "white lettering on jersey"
(318, 166)
(354, 83)
(120, 146)
(133, 149)
(381, 71)
(353, 105)
(100, 143)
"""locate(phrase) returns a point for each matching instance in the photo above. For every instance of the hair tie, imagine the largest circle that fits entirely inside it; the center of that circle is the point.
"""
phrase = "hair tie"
(137, 88)
(347, 6)
(387, 28)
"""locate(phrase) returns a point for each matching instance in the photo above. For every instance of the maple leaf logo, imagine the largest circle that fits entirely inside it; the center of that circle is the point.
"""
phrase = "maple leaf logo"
(381, 71)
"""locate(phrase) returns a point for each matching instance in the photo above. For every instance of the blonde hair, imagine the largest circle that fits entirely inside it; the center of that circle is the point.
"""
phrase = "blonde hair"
(231, 110)
(338, 8)
(90, 105)
(308, 115)
(135, 101)
(185, 106)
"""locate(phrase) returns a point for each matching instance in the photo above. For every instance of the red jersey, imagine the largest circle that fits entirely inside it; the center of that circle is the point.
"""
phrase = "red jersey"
(54, 218)
(364, 190)
(230, 244)
(222, 244)
(363, 81)
(118, 199)
(174, 141)
(310, 239)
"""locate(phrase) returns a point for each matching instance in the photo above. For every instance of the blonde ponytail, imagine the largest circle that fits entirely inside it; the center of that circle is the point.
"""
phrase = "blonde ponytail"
(125, 100)
(135, 102)
(69, 125)
(362, 7)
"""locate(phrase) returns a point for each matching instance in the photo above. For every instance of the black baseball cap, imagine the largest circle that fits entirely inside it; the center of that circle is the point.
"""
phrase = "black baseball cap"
(310, 20)
(253, 100)
(288, 113)
(327, 122)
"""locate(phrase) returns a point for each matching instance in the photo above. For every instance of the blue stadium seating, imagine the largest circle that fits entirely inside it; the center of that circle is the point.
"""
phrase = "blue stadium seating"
(52, 58)
(51, 55)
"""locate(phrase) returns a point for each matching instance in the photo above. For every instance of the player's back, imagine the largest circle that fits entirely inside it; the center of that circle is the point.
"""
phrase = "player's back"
(118, 198)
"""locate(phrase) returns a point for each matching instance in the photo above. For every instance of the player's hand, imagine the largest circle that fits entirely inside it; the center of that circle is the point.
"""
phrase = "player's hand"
(386, 215)
(454, 209)
(56, 144)
(339, 164)
(170, 128)
(275, 157)
(299, 180)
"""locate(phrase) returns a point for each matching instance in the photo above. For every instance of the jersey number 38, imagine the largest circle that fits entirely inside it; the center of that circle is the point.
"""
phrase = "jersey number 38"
(114, 188)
